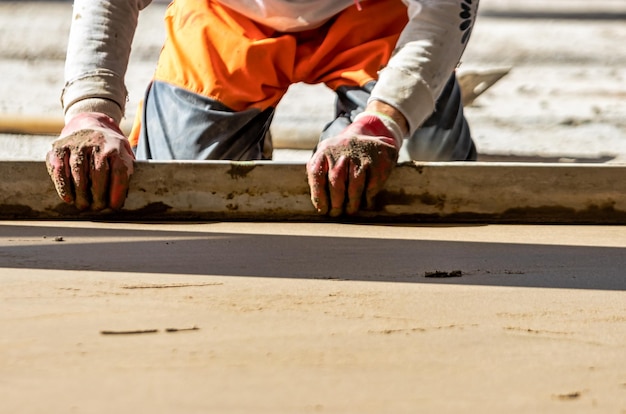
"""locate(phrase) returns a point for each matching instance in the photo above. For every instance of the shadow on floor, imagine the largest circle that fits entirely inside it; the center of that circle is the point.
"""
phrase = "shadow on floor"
(312, 257)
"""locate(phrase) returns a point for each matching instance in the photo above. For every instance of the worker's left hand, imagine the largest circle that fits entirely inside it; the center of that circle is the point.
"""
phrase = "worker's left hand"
(351, 168)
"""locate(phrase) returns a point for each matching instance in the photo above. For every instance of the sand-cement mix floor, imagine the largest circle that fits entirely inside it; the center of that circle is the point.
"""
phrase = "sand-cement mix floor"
(330, 317)
(298, 318)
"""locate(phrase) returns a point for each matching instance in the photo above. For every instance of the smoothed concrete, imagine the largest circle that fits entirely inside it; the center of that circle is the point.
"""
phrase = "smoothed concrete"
(309, 318)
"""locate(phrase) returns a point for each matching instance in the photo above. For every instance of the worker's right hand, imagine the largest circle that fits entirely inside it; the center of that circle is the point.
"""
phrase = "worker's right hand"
(91, 163)
(348, 170)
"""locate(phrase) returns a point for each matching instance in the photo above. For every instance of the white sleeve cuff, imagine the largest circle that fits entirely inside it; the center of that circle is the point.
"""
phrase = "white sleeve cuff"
(103, 106)
(406, 92)
(100, 85)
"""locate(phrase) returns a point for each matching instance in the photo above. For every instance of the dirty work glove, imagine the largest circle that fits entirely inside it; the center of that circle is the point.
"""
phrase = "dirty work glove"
(91, 163)
(351, 168)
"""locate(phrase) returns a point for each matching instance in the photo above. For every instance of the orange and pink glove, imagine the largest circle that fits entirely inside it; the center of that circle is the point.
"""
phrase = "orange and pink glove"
(348, 170)
(91, 163)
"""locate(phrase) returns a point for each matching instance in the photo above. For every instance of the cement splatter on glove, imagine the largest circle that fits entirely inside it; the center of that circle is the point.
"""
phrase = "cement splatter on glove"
(348, 170)
(91, 163)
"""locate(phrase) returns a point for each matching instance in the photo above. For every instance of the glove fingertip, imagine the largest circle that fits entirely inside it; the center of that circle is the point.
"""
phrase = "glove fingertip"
(335, 212)
(319, 203)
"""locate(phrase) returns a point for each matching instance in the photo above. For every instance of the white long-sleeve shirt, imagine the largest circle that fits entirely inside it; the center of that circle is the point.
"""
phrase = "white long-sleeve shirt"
(427, 52)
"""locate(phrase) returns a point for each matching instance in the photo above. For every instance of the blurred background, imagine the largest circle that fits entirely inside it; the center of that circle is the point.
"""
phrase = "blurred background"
(563, 98)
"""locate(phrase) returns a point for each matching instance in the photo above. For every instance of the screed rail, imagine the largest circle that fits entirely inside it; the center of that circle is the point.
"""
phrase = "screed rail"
(415, 192)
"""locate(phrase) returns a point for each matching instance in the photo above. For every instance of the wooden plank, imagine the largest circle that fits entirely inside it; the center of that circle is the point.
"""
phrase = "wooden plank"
(416, 192)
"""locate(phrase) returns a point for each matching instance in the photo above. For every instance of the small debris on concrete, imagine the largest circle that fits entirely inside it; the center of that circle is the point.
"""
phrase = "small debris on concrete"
(193, 328)
(569, 396)
(133, 332)
(442, 274)
(172, 285)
